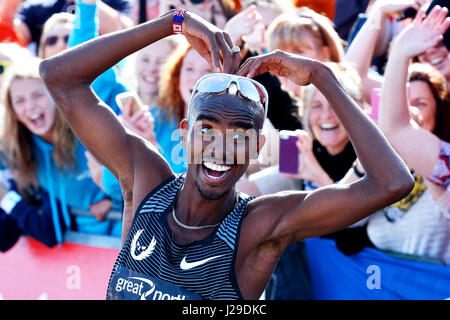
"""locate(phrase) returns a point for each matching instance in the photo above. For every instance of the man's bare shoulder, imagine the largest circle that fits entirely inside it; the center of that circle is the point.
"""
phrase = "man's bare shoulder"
(275, 203)
(264, 214)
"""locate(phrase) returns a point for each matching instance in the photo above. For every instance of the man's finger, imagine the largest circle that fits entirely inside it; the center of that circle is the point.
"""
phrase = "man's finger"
(227, 55)
(256, 68)
(246, 67)
(236, 56)
(214, 52)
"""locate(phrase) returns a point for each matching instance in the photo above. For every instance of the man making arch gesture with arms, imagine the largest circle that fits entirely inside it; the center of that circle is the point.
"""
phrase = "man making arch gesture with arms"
(194, 236)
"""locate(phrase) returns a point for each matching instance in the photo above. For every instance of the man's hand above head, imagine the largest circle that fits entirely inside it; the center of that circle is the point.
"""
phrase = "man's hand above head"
(212, 43)
(298, 69)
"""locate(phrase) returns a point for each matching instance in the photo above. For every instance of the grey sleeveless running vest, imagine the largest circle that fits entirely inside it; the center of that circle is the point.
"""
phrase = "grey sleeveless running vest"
(151, 266)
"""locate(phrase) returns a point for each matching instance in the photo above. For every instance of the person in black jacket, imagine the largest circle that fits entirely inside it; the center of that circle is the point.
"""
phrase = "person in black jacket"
(31, 217)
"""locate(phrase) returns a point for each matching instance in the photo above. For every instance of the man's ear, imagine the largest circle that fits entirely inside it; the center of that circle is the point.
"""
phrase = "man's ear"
(184, 126)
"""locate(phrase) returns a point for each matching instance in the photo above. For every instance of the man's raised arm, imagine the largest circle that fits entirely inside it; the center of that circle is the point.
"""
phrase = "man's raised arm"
(68, 77)
(301, 215)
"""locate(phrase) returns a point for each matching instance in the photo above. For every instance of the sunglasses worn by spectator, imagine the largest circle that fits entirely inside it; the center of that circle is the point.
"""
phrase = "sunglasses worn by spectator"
(3, 66)
(219, 82)
(52, 40)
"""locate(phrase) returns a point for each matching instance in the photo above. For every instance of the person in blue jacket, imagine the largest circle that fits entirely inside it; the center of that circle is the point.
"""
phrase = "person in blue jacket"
(42, 151)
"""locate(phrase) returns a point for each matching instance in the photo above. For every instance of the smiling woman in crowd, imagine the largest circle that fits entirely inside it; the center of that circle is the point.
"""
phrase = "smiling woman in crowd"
(42, 151)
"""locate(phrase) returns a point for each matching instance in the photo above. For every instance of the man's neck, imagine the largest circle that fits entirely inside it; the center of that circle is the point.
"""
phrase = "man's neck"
(192, 208)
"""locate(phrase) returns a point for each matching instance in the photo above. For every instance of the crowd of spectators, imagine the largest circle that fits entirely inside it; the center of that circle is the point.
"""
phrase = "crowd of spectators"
(387, 55)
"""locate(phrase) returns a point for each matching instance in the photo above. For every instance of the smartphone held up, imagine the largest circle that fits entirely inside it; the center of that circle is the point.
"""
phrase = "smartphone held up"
(125, 98)
(289, 153)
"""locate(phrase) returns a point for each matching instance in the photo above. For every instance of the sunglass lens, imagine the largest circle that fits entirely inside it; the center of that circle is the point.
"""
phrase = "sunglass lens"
(51, 41)
(213, 84)
(249, 90)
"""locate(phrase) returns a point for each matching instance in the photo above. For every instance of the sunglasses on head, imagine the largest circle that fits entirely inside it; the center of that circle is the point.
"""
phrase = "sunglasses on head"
(219, 82)
(52, 40)
(3, 66)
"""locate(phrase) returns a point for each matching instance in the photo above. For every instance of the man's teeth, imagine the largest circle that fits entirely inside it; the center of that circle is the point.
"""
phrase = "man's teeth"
(328, 126)
(216, 167)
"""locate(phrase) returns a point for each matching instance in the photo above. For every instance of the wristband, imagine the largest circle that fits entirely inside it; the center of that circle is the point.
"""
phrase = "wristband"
(177, 21)
(9, 201)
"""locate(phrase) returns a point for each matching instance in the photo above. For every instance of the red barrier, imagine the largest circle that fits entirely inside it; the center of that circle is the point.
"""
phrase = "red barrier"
(31, 271)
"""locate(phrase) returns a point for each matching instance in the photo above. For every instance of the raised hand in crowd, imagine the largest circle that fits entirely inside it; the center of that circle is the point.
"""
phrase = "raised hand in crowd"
(372, 36)
(243, 24)
(394, 117)
(384, 8)
(423, 33)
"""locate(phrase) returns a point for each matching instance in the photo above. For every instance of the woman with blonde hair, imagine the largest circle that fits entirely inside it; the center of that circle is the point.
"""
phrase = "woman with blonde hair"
(307, 33)
(147, 71)
(42, 152)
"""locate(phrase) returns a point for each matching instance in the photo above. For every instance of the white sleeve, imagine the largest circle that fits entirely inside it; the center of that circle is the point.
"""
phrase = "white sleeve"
(9, 201)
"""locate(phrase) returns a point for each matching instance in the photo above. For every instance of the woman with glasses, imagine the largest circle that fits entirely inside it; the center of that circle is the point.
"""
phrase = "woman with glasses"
(193, 235)
(55, 34)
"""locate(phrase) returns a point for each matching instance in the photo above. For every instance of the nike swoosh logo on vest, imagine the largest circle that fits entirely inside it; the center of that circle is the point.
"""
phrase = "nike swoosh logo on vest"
(184, 265)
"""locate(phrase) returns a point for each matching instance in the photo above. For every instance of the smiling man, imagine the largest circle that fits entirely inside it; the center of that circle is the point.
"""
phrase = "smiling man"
(194, 236)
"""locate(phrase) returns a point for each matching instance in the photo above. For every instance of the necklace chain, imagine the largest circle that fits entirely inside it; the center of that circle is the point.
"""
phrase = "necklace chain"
(185, 226)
